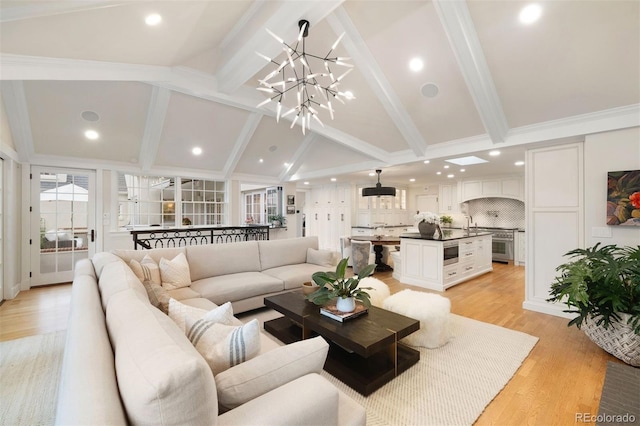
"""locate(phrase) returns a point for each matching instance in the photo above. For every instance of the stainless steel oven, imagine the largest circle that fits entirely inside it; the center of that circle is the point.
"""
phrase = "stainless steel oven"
(451, 252)
(501, 244)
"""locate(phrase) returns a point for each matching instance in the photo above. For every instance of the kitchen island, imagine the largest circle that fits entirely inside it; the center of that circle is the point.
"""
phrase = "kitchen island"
(452, 258)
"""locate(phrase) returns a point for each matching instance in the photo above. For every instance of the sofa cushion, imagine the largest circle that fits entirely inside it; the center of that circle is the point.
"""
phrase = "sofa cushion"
(157, 295)
(178, 312)
(117, 277)
(175, 272)
(288, 251)
(320, 257)
(183, 293)
(240, 286)
(294, 275)
(146, 270)
(100, 260)
(212, 260)
(224, 346)
(162, 378)
(156, 254)
(270, 370)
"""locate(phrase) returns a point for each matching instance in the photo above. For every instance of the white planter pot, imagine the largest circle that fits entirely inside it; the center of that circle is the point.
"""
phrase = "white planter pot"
(347, 304)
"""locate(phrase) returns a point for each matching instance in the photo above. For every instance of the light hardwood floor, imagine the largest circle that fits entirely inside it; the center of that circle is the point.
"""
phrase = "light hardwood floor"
(563, 375)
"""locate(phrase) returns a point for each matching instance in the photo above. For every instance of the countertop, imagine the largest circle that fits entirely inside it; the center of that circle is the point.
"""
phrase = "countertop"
(386, 226)
(447, 235)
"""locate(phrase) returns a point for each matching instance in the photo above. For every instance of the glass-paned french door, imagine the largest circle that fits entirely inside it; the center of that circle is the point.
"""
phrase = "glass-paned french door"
(62, 222)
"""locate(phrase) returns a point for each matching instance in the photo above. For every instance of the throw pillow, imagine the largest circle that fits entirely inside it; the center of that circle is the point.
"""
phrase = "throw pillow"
(224, 346)
(320, 257)
(175, 273)
(147, 271)
(270, 370)
(178, 313)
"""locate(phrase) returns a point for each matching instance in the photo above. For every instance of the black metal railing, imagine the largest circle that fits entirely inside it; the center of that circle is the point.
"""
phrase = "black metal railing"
(180, 237)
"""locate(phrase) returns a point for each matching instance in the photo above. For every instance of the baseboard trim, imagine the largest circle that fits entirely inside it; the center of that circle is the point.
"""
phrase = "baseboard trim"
(546, 308)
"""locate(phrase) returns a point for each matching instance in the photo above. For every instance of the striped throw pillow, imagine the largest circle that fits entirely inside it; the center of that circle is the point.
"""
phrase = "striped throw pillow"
(224, 346)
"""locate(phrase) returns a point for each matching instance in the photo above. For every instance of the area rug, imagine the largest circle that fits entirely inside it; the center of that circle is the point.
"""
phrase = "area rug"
(30, 373)
(620, 399)
(451, 385)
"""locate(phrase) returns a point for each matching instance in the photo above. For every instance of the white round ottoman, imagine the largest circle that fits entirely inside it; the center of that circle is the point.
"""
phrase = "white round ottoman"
(380, 291)
(432, 310)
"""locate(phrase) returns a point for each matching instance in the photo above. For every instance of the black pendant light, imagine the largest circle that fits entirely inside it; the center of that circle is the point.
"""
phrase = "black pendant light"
(379, 190)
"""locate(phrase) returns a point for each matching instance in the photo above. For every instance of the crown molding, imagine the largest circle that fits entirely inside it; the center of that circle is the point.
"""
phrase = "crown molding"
(345, 169)
(51, 8)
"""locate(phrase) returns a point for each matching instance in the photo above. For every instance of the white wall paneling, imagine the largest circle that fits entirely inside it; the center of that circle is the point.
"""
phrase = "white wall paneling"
(555, 216)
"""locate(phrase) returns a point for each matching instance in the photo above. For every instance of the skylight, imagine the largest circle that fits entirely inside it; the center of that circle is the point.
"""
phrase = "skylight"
(466, 161)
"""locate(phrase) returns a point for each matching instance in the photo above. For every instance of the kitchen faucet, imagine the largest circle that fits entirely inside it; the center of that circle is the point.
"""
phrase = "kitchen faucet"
(469, 220)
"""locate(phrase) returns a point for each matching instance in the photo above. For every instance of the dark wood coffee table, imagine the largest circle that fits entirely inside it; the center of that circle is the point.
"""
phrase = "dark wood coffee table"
(364, 352)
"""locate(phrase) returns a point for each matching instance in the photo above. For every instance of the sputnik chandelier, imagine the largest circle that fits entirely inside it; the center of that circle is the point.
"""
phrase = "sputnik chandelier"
(295, 76)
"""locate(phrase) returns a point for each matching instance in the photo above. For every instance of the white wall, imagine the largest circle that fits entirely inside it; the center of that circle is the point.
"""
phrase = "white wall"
(608, 152)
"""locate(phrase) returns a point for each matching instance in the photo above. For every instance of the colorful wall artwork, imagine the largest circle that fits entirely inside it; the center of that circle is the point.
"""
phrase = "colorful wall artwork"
(623, 198)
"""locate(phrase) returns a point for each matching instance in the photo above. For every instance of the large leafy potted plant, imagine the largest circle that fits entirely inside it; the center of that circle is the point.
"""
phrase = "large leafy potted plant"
(602, 286)
(334, 285)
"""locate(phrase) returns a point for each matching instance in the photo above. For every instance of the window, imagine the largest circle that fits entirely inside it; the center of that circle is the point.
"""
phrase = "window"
(169, 201)
(254, 207)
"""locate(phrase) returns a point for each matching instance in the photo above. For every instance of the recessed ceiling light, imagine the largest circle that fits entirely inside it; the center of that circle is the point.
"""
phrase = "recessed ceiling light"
(494, 153)
(261, 160)
(438, 173)
(91, 135)
(466, 161)
(449, 176)
(349, 94)
(426, 161)
(446, 166)
(286, 164)
(333, 179)
(519, 163)
(196, 150)
(416, 64)
(372, 174)
(530, 14)
(462, 170)
(153, 19)
(305, 183)
(412, 180)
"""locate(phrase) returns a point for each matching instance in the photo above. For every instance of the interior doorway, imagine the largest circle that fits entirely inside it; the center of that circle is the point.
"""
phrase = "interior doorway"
(62, 222)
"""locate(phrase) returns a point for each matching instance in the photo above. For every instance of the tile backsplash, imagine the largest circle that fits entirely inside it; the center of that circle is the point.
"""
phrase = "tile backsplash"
(497, 212)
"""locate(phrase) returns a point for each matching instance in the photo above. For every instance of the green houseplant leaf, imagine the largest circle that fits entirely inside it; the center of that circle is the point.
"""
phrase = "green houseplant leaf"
(600, 283)
(332, 285)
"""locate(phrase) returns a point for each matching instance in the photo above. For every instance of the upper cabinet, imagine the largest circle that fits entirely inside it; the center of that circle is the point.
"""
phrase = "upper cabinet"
(507, 187)
(448, 199)
(388, 211)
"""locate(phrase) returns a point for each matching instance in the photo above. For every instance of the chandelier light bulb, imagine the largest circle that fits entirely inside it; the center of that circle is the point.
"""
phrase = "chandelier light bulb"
(292, 78)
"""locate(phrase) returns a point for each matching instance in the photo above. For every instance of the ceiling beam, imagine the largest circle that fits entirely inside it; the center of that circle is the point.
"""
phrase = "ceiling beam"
(158, 105)
(458, 25)
(244, 137)
(373, 74)
(41, 9)
(297, 159)
(241, 61)
(15, 102)
(21, 67)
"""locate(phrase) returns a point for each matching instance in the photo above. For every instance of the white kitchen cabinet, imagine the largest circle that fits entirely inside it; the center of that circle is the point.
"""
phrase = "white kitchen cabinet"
(330, 215)
(377, 211)
(448, 199)
(506, 187)
(422, 262)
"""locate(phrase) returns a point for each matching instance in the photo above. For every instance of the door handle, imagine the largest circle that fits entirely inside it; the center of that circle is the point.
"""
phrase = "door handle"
(93, 235)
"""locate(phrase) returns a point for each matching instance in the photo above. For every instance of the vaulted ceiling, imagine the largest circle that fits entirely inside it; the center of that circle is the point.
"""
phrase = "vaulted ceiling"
(158, 91)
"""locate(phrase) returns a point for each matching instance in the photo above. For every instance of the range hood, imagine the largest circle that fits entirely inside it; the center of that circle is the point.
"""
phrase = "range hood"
(379, 190)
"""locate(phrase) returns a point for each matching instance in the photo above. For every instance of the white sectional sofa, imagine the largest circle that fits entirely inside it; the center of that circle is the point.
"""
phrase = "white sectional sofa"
(244, 273)
(126, 362)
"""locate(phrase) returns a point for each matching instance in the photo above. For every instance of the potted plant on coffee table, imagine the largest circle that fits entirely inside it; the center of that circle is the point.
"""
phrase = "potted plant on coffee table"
(602, 286)
(334, 285)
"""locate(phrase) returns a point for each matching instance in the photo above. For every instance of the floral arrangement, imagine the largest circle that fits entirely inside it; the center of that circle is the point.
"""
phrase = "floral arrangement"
(427, 217)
